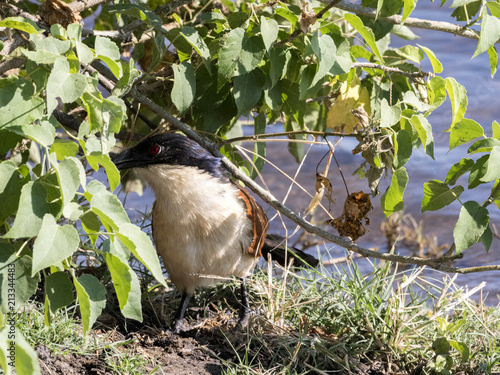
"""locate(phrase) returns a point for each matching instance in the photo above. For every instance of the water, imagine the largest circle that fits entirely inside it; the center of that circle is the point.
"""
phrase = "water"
(455, 54)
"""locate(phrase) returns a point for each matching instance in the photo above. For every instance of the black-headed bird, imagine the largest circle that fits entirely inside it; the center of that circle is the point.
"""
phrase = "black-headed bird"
(206, 227)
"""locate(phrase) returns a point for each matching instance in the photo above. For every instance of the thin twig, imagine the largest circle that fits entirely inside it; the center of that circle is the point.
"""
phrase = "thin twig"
(389, 69)
(419, 23)
(255, 137)
(80, 6)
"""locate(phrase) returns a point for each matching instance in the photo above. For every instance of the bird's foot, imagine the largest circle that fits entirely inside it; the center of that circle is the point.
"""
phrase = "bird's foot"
(178, 326)
(243, 319)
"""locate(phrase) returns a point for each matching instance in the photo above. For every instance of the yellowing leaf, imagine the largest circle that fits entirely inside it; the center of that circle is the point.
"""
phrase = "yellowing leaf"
(340, 117)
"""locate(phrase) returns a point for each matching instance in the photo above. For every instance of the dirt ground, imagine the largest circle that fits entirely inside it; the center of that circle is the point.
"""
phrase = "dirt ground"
(196, 350)
(191, 352)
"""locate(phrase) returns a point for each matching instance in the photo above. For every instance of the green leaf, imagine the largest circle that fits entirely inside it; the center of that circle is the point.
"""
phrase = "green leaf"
(424, 130)
(33, 205)
(495, 128)
(48, 49)
(84, 53)
(403, 148)
(43, 133)
(408, 7)
(326, 50)
(494, 8)
(278, 59)
(411, 53)
(25, 359)
(392, 200)
(458, 169)
(269, 30)
(437, 195)
(441, 346)
(19, 105)
(109, 209)
(252, 52)
(92, 299)
(21, 23)
(472, 222)
(487, 238)
(458, 98)
(238, 19)
(283, 10)
(247, 92)
(259, 158)
(137, 11)
(59, 290)
(105, 115)
(71, 176)
(462, 348)
(140, 245)
(73, 211)
(239, 55)
(436, 64)
(228, 56)
(19, 282)
(465, 131)
(478, 170)
(495, 194)
(64, 148)
(493, 166)
(12, 179)
(106, 47)
(91, 225)
(389, 115)
(483, 145)
(53, 244)
(124, 84)
(64, 85)
(490, 33)
(194, 38)
(493, 56)
(127, 287)
(437, 92)
(184, 86)
(95, 159)
(365, 32)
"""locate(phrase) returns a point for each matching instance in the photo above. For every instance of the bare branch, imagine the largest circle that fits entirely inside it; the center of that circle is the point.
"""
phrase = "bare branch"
(80, 6)
(446, 27)
(388, 69)
(281, 134)
(9, 64)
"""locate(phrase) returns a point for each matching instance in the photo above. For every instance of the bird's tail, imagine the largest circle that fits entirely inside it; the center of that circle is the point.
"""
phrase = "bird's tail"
(275, 246)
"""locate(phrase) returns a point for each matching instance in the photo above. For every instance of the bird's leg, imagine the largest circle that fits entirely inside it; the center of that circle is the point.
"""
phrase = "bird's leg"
(245, 306)
(181, 310)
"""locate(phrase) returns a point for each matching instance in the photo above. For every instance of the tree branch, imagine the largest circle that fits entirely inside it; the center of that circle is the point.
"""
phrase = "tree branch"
(389, 69)
(446, 27)
(80, 6)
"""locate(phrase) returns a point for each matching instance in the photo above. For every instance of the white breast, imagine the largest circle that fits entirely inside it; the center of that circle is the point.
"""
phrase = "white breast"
(200, 226)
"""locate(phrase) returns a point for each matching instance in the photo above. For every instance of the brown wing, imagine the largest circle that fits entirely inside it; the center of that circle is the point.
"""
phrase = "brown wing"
(259, 220)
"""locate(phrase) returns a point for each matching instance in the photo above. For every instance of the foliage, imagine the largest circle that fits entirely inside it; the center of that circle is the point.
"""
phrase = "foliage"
(66, 94)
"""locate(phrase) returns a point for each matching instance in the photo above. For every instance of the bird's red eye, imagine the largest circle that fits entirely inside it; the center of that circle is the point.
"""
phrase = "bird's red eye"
(154, 150)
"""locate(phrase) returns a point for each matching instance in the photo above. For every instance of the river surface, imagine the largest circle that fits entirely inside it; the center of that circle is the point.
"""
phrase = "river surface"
(483, 97)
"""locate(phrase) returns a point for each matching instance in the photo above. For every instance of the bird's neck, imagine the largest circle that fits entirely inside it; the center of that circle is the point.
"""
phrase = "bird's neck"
(181, 189)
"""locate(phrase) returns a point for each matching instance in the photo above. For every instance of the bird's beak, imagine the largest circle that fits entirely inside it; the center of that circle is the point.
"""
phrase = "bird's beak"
(128, 159)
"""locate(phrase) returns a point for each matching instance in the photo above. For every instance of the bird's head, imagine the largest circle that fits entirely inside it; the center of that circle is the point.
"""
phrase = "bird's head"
(170, 149)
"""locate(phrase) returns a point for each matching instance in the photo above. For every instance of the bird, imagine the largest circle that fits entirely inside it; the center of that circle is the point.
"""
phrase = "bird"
(206, 227)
